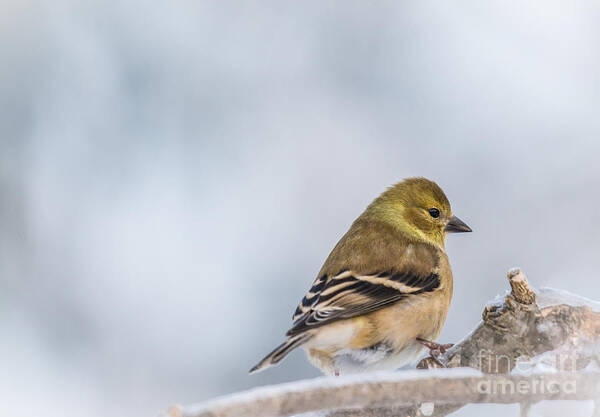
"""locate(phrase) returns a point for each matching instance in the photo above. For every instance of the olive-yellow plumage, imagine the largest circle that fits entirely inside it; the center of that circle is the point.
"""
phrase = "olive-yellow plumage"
(386, 283)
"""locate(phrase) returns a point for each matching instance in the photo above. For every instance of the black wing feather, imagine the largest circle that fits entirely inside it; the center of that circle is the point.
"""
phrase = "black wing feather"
(352, 295)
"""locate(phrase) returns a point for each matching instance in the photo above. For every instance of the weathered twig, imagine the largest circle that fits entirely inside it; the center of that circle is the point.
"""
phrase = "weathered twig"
(516, 330)
(518, 337)
(518, 333)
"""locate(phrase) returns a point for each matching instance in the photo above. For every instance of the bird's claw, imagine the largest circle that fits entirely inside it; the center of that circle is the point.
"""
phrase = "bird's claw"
(436, 350)
(433, 346)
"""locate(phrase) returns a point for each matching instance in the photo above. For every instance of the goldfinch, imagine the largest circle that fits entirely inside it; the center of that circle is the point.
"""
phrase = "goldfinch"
(382, 296)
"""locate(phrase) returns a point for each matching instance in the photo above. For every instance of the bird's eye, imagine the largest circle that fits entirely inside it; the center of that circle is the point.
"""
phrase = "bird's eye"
(433, 212)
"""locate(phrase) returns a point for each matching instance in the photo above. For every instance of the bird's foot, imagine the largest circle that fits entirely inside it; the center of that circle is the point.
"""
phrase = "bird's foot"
(436, 350)
(434, 346)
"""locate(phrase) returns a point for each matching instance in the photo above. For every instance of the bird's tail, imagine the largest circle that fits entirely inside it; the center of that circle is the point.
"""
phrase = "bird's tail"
(281, 351)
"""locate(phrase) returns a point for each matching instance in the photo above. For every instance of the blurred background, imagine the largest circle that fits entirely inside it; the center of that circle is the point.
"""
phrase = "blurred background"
(173, 175)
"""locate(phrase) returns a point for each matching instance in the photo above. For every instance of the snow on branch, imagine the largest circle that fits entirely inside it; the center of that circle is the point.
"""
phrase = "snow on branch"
(530, 346)
(443, 386)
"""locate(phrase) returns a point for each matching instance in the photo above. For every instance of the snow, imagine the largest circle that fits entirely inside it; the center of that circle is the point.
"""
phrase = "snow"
(547, 297)
(543, 363)
(498, 300)
(560, 359)
(593, 366)
(427, 408)
(331, 382)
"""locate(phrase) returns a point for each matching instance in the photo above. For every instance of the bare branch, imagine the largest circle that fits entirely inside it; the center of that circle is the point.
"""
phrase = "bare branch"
(441, 386)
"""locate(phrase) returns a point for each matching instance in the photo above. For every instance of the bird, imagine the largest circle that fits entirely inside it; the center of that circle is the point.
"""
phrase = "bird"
(382, 295)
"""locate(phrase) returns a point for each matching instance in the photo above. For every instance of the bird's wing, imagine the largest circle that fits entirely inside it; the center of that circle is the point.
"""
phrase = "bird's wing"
(349, 294)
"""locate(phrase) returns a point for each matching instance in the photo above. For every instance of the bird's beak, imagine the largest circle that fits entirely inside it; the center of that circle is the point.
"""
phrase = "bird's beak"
(456, 225)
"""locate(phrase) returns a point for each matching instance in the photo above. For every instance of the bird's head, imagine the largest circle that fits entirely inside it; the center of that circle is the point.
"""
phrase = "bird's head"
(419, 208)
